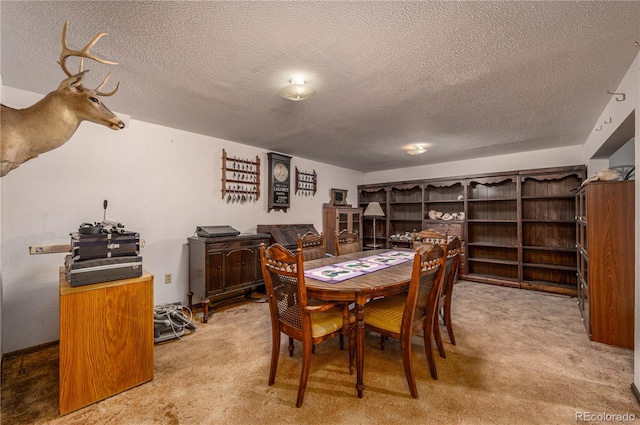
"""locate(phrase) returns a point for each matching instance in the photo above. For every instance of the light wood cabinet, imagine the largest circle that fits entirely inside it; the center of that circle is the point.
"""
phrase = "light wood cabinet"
(338, 218)
(605, 241)
(106, 339)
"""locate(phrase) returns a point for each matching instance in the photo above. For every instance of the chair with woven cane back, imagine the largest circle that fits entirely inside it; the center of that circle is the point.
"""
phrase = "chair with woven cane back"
(454, 246)
(400, 320)
(283, 273)
(312, 246)
(347, 242)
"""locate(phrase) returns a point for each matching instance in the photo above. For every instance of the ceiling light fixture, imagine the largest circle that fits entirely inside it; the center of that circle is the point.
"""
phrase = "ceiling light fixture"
(297, 89)
(417, 150)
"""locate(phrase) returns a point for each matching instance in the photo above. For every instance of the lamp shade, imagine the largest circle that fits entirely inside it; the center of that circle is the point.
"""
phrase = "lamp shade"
(373, 210)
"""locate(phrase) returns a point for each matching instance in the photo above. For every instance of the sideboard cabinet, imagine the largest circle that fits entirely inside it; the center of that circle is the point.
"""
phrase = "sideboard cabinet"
(223, 267)
(606, 253)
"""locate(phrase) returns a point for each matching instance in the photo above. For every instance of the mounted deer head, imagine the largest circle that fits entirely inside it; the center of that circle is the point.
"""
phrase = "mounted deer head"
(26, 133)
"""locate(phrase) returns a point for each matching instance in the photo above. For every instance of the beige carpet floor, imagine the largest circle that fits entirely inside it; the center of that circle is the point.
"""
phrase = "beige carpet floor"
(521, 357)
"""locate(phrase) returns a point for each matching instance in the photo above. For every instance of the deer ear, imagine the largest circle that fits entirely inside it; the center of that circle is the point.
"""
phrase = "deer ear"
(74, 81)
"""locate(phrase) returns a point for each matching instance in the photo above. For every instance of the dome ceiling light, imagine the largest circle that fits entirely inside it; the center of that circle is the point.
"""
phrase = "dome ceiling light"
(297, 89)
(417, 150)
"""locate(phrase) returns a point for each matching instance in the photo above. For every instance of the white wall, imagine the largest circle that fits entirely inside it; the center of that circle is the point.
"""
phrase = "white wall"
(618, 112)
(625, 155)
(159, 181)
(565, 156)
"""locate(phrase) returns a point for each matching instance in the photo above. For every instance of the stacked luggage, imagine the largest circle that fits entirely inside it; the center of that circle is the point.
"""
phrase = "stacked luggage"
(103, 252)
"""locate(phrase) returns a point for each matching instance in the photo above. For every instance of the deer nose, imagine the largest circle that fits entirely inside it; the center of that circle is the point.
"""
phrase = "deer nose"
(117, 125)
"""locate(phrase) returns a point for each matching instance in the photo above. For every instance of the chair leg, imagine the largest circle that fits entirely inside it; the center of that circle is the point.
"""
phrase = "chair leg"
(447, 321)
(382, 341)
(304, 374)
(275, 353)
(405, 347)
(428, 345)
(291, 347)
(438, 337)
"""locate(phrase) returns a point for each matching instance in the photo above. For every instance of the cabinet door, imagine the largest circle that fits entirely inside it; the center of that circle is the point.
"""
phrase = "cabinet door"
(344, 222)
(215, 283)
(240, 267)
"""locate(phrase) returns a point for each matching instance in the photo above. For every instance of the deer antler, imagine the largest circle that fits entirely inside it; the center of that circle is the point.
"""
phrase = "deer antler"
(84, 53)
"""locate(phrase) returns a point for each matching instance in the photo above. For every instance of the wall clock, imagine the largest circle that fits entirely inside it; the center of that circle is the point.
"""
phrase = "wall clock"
(279, 178)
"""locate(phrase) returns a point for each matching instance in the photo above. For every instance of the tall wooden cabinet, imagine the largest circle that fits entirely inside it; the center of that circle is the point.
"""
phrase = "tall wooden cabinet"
(517, 228)
(338, 218)
(605, 238)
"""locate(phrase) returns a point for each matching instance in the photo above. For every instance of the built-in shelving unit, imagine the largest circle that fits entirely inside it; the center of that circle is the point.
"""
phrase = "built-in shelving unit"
(517, 227)
(377, 194)
(404, 213)
(492, 229)
(548, 230)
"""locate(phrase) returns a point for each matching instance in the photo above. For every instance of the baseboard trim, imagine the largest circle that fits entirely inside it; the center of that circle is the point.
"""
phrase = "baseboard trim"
(635, 392)
(30, 350)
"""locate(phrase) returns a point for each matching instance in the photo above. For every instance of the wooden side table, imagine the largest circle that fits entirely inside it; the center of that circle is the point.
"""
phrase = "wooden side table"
(106, 339)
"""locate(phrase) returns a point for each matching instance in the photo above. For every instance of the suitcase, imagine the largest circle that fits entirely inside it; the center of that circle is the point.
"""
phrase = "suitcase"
(104, 245)
(101, 270)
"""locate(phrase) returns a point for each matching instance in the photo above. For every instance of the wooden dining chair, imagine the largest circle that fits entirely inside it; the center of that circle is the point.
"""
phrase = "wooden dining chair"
(452, 245)
(347, 242)
(312, 246)
(283, 273)
(453, 249)
(428, 237)
(400, 320)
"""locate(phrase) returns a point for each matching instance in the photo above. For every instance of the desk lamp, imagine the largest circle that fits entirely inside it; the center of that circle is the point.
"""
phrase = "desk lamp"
(374, 210)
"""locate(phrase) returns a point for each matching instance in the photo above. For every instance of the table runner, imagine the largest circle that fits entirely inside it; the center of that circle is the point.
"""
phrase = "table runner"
(339, 272)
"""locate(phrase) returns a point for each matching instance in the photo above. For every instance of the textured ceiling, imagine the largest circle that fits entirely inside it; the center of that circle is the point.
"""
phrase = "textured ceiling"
(467, 79)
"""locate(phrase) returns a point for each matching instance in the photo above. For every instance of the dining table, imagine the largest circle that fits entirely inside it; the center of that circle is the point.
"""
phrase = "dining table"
(359, 289)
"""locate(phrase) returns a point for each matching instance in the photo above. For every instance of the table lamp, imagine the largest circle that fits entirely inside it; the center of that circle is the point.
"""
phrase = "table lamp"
(374, 210)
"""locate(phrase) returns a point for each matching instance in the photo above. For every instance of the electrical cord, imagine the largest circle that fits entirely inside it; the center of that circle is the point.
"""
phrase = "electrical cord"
(173, 315)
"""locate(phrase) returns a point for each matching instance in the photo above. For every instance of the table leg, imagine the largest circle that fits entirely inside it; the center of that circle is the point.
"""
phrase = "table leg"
(360, 301)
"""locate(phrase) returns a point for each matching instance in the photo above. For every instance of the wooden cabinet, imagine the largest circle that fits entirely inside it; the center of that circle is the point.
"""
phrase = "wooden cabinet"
(224, 267)
(516, 227)
(106, 339)
(605, 240)
(338, 218)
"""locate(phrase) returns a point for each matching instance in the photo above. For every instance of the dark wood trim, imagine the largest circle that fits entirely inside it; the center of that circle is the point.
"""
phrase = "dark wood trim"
(30, 350)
